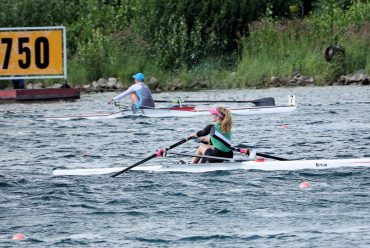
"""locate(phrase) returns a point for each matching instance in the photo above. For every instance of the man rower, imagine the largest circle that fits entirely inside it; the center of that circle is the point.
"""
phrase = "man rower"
(140, 94)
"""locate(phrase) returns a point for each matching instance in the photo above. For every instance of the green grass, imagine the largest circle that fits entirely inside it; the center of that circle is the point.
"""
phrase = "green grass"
(273, 48)
(276, 50)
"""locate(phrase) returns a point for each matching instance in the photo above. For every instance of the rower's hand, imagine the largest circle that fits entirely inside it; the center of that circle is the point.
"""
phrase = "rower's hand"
(245, 151)
(193, 135)
(161, 152)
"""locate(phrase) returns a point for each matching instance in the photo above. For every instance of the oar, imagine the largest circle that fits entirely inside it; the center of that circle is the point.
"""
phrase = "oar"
(268, 101)
(150, 157)
(121, 107)
(240, 148)
(203, 156)
(271, 156)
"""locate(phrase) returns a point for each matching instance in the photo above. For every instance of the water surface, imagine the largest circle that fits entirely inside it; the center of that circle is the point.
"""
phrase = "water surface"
(214, 209)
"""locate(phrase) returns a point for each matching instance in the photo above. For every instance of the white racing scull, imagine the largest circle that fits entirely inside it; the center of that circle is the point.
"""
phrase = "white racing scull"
(243, 165)
(182, 111)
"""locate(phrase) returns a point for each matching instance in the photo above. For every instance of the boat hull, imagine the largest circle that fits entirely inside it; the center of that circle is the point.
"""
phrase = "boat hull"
(176, 112)
(246, 165)
(196, 112)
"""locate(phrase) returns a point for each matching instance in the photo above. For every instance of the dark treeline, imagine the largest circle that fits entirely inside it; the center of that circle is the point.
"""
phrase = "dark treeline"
(186, 39)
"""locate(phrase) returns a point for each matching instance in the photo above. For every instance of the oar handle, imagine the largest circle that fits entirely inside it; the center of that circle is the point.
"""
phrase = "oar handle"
(156, 154)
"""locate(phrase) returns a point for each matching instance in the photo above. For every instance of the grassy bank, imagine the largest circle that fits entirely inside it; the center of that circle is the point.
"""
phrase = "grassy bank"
(274, 47)
(283, 48)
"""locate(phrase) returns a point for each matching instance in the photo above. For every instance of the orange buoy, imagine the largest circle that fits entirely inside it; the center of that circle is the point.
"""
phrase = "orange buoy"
(19, 236)
(305, 185)
(284, 126)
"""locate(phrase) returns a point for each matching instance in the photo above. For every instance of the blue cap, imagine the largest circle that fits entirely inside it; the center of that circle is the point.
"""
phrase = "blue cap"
(139, 77)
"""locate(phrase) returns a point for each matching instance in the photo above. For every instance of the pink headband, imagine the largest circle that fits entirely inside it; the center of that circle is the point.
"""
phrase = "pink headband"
(215, 111)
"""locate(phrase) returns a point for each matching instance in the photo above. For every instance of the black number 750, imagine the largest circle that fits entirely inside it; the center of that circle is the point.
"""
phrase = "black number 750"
(41, 48)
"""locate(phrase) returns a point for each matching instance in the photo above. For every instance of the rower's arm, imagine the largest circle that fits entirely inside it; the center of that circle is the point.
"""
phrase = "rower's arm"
(205, 131)
(130, 90)
(204, 140)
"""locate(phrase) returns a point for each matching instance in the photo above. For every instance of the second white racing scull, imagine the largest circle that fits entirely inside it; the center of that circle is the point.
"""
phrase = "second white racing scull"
(243, 165)
(182, 111)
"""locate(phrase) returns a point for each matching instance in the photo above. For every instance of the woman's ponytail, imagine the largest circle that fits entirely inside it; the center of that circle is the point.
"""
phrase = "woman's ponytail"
(227, 121)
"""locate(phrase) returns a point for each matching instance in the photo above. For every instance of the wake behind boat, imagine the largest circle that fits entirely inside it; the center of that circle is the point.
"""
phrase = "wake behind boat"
(189, 110)
(237, 165)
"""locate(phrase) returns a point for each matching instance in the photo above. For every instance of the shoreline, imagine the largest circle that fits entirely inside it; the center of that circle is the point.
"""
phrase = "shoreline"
(113, 84)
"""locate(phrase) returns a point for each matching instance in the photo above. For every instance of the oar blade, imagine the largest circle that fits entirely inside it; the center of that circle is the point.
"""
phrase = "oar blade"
(267, 101)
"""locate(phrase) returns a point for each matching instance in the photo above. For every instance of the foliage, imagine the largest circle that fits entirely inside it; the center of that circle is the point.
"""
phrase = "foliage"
(183, 34)
(282, 48)
(201, 41)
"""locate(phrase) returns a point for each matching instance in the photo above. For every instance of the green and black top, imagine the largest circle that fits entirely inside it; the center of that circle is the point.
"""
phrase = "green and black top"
(220, 140)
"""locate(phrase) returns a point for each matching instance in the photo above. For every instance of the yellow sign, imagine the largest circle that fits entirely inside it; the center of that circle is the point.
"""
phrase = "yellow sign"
(31, 52)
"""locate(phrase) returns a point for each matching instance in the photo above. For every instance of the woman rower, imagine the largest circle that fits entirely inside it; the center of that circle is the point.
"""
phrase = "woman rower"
(219, 142)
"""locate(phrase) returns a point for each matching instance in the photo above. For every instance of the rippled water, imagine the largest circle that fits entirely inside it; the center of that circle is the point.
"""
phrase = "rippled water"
(214, 209)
